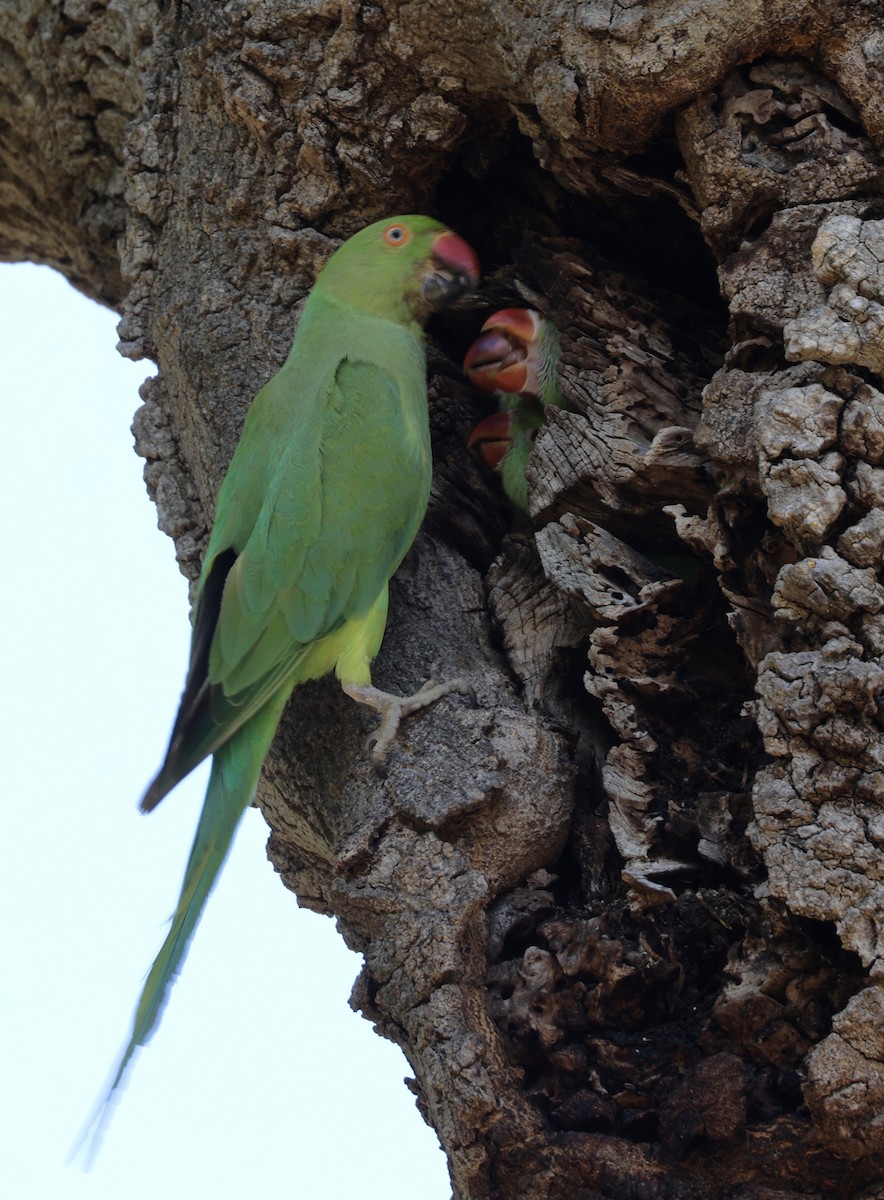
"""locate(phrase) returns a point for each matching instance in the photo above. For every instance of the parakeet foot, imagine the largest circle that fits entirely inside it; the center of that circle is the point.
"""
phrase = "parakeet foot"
(394, 708)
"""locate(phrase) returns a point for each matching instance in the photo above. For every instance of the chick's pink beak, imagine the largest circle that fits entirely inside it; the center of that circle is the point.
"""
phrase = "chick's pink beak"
(518, 324)
(504, 357)
(492, 364)
(491, 438)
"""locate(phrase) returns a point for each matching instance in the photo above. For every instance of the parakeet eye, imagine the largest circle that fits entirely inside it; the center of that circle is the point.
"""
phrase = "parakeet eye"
(396, 235)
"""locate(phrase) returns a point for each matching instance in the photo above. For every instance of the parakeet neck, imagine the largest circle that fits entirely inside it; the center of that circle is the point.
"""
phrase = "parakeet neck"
(373, 297)
(371, 336)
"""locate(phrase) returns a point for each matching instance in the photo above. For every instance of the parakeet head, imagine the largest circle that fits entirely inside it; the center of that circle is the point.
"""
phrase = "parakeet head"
(401, 269)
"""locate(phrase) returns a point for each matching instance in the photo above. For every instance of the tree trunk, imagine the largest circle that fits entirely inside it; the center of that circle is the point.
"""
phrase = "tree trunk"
(625, 916)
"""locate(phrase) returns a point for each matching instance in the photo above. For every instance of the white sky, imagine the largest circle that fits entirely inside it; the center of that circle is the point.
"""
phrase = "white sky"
(260, 1080)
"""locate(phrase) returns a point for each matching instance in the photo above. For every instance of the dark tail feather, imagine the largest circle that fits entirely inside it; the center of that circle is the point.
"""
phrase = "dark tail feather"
(232, 784)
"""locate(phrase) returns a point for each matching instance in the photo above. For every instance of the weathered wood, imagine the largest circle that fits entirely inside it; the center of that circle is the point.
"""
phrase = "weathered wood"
(624, 916)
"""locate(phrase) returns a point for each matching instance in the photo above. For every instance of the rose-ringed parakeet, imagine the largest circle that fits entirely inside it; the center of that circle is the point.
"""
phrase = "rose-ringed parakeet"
(323, 497)
(517, 357)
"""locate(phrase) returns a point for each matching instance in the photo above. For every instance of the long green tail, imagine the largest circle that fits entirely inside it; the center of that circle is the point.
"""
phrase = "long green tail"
(235, 770)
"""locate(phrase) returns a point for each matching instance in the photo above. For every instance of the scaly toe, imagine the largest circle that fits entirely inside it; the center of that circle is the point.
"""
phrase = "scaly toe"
(394, 708)
(379, 766)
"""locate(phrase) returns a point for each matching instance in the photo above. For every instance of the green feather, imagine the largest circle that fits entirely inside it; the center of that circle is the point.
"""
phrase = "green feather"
(323, 497)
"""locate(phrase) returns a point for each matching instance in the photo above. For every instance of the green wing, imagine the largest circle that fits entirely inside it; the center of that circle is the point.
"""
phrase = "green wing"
(342, 508)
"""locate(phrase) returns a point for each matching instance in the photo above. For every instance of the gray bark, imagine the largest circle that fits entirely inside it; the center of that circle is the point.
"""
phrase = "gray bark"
(624, 917)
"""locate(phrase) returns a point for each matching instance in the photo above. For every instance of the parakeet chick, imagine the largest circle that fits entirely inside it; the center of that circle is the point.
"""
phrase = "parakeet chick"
(516, 357)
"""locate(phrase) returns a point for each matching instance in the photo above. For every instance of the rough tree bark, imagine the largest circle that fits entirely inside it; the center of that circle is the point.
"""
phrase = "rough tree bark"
(625, 916)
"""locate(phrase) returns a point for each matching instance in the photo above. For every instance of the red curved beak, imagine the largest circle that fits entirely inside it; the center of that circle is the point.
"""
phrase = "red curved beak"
(455, 270)
(521, 324)
(491, 438)
(459, 256)
(501, 359)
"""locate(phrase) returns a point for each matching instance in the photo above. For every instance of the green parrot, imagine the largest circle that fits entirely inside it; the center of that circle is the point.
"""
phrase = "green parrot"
(516, 357)
(323, 497)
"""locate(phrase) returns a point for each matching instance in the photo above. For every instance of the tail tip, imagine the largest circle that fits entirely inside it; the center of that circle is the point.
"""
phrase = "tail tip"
(154, 794)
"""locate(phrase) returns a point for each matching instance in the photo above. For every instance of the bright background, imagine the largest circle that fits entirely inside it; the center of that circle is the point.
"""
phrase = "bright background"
(260, 1080)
